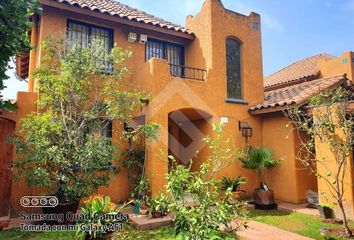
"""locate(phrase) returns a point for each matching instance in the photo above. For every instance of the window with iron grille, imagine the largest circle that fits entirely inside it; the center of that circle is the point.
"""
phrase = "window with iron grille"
(82, 34)
(173, 53)
(233, 66)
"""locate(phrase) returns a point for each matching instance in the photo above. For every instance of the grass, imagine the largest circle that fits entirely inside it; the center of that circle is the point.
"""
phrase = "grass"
(299, 223)
(164, 233)
(22, 235)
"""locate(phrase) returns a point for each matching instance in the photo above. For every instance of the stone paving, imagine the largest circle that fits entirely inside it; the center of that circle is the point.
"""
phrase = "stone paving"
(300, 208)
(260, 231)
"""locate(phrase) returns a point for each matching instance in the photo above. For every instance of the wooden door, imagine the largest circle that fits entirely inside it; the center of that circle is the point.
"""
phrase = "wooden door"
(6, 151)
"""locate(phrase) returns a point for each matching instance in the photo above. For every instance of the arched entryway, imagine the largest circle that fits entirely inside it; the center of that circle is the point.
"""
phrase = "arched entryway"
(7, 128)
(186, 129)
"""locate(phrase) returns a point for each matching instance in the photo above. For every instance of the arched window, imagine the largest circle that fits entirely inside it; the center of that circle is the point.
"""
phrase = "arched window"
(233, 66)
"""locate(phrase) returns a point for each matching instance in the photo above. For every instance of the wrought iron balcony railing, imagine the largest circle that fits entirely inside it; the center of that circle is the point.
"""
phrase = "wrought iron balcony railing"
(188, 72)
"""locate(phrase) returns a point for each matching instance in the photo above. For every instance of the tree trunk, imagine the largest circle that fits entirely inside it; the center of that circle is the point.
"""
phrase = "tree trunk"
(348, 232)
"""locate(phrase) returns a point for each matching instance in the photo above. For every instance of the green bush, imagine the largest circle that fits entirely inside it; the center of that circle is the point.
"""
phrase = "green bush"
(211, 210)
(92, 209)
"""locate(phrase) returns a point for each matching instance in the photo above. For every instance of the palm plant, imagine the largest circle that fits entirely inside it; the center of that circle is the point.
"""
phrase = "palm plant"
(232, 183)
(259, 159)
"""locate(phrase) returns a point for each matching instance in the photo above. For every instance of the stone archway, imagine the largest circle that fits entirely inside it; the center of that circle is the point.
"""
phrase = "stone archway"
(7, 128)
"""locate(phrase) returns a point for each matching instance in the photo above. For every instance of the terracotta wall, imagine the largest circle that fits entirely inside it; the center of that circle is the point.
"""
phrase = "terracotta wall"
(329, 166)
(25, 102)
(289, 180)
(342, 65)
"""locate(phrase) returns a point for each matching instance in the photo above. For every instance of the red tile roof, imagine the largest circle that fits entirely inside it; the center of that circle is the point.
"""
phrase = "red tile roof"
(118, 9)
(302, 69)
(297, 94)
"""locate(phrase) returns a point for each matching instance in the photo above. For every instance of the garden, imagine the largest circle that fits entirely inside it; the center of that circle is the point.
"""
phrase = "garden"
(66, 148)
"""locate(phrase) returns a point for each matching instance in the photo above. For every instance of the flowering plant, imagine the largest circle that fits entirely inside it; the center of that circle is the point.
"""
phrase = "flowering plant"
(101, 217)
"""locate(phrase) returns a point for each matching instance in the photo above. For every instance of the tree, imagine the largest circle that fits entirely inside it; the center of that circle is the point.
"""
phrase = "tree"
(213, 210)
(329, 125)
(14, 41)
(62, 146)
(223, 152)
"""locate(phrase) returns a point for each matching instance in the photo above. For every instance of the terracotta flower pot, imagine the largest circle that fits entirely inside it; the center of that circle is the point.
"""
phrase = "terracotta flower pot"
(144, 211)
(236, 195)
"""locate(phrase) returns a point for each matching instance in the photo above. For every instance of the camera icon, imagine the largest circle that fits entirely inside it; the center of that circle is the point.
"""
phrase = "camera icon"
(39, 201)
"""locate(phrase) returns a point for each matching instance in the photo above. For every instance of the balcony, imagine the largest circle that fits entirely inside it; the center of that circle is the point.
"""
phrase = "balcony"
(187, 72)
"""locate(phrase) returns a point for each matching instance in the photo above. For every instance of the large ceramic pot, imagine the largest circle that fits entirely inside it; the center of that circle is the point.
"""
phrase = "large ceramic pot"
(62, 208)
(264, 199)
(326, 212)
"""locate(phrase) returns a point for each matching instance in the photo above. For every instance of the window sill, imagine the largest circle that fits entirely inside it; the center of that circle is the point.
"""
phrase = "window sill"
(239, 101)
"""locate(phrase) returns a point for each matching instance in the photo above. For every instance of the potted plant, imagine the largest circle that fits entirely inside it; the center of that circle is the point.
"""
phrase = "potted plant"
(144, 209)
(92, 209)
(141, 193)
(234, 185)
(326, 211)
(260, 159)
(159, 206)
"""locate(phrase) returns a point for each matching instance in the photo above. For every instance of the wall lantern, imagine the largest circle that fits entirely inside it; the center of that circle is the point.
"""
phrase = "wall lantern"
(246, 130)
(129, 132)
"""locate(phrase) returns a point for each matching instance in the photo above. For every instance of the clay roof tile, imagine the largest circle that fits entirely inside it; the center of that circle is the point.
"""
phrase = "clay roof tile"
(118, 9)
(297, 94)
(305, 68)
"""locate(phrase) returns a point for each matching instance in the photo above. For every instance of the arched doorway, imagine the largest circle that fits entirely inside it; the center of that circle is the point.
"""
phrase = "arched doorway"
(186, 129)
(7, 128)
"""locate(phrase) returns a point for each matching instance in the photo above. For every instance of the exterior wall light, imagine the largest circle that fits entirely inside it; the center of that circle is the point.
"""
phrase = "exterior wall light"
(246, 130)
(129, 132)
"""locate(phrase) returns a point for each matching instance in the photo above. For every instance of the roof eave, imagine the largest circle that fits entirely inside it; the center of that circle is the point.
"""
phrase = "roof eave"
(346, 83)
(106, 16)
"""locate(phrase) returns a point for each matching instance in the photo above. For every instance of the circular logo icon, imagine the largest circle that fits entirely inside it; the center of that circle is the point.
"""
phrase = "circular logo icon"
(34, 201)
(39, 201)
(53, 201)
(44, 201)
(25, 201)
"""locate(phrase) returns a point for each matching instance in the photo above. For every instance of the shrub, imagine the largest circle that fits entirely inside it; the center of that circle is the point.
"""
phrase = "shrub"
(210, 212)
(92, 209)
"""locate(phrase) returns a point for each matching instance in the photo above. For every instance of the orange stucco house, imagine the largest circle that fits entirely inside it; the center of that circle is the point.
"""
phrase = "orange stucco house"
(208, 72)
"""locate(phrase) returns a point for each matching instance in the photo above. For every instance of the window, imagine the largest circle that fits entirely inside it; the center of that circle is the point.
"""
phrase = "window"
(173, 53)
(81, 35)
(233, 66)
(106, 129)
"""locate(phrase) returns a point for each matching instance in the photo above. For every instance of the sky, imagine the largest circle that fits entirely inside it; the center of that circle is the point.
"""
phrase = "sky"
(291, 30)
